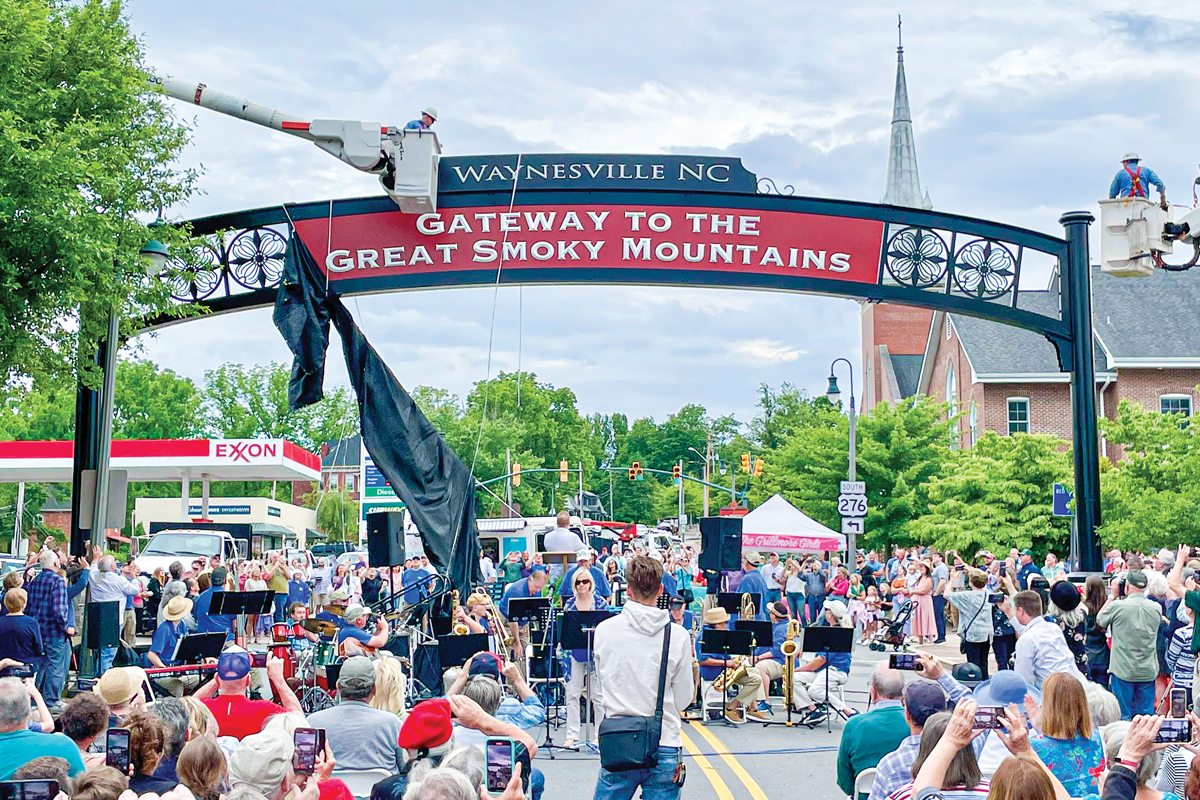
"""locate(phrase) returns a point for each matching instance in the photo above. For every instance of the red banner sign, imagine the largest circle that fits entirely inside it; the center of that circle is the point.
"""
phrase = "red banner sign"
(583, 235)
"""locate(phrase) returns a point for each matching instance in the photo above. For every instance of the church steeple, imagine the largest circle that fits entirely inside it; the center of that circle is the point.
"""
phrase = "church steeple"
(903, 183)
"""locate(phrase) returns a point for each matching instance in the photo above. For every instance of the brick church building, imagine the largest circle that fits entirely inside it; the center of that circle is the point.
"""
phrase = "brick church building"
(1007, 379)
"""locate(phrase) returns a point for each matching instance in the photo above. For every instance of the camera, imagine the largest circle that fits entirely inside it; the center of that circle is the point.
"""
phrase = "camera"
(995, 598)
(18, 671)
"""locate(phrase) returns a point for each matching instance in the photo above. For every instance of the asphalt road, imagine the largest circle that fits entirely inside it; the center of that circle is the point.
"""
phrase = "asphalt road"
(745, 762)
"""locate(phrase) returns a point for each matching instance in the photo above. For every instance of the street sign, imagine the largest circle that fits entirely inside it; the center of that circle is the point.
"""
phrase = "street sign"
(1062, 501)
(852, 525)
(854, 487)
(852, 505)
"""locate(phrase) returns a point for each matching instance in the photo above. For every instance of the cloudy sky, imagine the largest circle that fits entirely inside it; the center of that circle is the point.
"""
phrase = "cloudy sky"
(1021, 111)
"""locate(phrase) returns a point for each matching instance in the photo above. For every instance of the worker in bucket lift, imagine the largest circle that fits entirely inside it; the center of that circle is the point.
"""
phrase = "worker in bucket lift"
(428, 117)
(1134, 181)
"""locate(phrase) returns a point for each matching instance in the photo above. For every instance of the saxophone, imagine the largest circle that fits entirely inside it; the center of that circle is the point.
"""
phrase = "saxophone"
(790, 649)
(732, 673)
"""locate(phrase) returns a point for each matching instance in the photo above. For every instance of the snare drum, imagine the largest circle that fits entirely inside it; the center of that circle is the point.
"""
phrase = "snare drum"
(280, 632)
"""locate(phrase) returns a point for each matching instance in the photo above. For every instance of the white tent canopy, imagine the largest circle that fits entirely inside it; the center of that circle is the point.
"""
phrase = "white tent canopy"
(778, 525)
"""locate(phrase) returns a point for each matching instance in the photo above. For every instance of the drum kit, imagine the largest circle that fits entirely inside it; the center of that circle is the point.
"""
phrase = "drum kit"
(318, 666)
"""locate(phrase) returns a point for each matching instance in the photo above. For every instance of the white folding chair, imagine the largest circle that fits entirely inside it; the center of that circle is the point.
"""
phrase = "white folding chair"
(862, 784)
(361, 781)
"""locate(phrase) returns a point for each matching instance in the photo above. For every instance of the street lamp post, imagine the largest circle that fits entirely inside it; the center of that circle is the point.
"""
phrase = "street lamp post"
(834, 395)
(705, 460)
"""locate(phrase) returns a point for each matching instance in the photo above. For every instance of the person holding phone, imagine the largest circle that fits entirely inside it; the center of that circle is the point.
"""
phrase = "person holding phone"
(1068, 742)
(147, 743)
(18, 744)
(225, 695)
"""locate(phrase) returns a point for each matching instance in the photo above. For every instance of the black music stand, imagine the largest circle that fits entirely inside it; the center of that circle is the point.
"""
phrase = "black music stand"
(761, 634)
(727, 643)
(193, 648)
(239, 604)
(823, 640)
(539, 613)
(454, 651)
(732, 602)
(578, 628)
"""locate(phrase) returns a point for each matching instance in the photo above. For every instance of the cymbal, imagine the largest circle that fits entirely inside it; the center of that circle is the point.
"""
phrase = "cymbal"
(322, 627)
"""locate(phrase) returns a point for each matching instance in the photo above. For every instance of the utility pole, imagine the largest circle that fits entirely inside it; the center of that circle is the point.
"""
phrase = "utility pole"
(679, 518)
(612, 509)
(16, 542)
(707, 462)
(508, 481)
(581, 491)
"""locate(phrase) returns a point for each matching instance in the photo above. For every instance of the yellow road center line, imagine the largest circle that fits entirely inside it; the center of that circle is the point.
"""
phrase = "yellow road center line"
(751, 785)
(707, 768)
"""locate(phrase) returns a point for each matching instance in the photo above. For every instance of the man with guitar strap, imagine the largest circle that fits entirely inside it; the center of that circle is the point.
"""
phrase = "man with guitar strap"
(353, 640)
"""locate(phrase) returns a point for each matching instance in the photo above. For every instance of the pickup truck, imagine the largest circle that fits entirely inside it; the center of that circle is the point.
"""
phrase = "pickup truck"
(186, 545)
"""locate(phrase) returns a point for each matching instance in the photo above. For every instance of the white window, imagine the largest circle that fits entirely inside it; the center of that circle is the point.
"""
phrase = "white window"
(951, 390)
(1175, 404)
(350, 481)
(334, 477)
(1018, 415)
(974, 423)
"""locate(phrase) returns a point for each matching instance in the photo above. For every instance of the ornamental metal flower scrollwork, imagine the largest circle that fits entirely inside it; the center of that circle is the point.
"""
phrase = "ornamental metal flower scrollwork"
(767, 186)
(255, 257)
(197, 277)
(985, 269)
(917, 257)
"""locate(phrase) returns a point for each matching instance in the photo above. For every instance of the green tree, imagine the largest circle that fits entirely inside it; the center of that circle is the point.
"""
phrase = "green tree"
(899, 449)
(86, 150)
(150, 403)
(252, 402)
(337, 514)
(997, 495)
(1152, 497)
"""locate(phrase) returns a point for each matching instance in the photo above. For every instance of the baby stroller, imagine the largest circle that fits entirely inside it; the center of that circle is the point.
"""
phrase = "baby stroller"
(891, 631)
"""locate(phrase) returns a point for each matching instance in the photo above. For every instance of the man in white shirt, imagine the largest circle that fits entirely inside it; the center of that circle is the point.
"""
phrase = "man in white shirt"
(487, 568)
(561, 540)
(108, 585)
(1041, 648)
(771, 572)
(628, 652)
(321, 576)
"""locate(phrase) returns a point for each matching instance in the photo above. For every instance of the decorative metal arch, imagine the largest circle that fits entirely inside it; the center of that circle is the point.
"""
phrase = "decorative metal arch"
(928, 259)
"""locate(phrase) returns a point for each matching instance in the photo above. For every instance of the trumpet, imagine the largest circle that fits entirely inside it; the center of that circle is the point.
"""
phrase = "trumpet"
(732, 673)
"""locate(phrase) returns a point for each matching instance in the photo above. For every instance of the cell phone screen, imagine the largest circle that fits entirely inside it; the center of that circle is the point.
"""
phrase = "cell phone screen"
(988, 717)
(258, 659)
(28, 790)
(904, 661)
(499, 764)
(117, 749)
(1178, 703)
(308, 741)
(1174, 730)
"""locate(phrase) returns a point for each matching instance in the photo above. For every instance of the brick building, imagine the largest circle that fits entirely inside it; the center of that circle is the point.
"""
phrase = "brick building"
(341, 464)
(1007, 380)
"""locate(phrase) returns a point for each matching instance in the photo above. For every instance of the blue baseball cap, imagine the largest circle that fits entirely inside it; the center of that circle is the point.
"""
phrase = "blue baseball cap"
(233, 664)
(485, 664)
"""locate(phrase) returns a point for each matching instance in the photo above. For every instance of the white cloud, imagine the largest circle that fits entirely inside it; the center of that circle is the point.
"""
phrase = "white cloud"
(765, 351)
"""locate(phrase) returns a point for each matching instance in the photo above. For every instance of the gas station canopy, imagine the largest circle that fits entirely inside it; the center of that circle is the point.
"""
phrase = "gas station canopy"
(167, 460)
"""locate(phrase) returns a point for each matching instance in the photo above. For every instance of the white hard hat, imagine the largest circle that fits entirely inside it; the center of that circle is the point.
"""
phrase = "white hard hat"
(432, 112)
(1130, 156)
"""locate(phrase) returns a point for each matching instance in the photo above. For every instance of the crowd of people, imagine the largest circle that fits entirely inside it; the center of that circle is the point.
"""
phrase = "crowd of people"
(1083, 672)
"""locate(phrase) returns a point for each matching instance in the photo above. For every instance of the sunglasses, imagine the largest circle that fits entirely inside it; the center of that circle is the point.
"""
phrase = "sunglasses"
(583, 583)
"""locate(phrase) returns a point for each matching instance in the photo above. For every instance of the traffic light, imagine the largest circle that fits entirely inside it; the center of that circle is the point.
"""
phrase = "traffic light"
(745, 462)
(516, 474)
(676, 474)
(635, 471)
(758, 467)
(562, 472)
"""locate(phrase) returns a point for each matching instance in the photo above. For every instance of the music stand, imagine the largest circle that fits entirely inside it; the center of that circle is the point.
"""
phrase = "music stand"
(760, 631)
(239, 604)
(454, 651)
(524, 610)
(193, 648)
(578, 628)
(823, 640)
(732, 602)
(727, 643)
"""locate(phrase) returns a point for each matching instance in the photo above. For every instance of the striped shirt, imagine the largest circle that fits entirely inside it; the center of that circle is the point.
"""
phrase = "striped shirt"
(48, 604)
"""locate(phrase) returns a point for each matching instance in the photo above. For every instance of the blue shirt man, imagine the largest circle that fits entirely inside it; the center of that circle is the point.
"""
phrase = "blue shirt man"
(752, 582)
(526, 587)
(299, 591)
(166, 638)
(411, 580)
(428, 117)
(213, 623)
(1133, 180)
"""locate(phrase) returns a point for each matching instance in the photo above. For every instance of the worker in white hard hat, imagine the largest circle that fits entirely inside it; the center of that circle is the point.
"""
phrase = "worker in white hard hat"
(428, 117)
(1133, 180)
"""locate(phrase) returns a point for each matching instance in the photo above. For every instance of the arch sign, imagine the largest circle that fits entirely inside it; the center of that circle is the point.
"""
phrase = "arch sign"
(665, 220)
